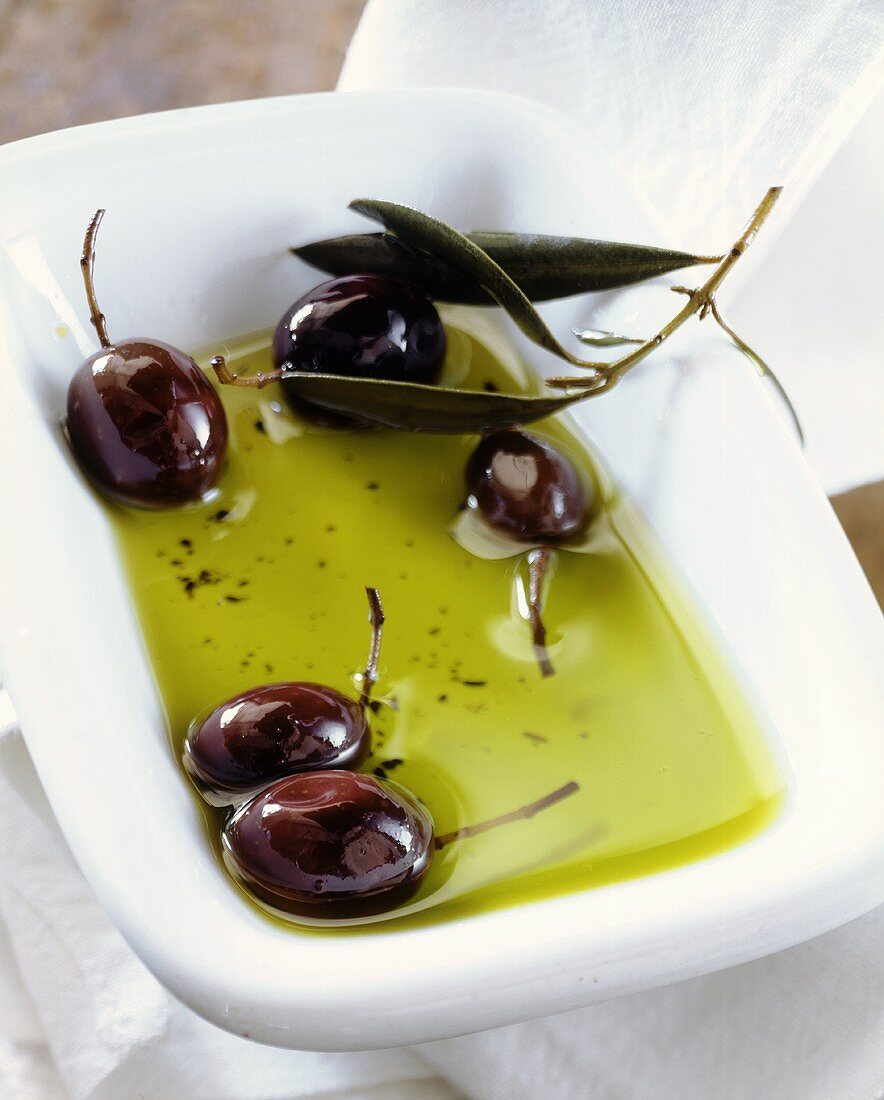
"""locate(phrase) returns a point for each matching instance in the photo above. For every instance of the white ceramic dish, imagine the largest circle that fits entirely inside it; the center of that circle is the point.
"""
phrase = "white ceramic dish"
(203, 204)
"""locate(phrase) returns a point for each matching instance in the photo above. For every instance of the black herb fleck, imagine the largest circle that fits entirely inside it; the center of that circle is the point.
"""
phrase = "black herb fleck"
(190, 584)
(535, 738)
(220, 516)
(259, 427)
(372, 485)
(490, 387)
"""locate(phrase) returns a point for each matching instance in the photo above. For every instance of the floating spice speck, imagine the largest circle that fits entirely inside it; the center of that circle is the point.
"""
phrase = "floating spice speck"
(535, 738)
(204, 577)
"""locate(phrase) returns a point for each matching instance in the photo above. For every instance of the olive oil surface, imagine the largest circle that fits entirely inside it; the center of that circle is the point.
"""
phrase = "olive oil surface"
(264, 583)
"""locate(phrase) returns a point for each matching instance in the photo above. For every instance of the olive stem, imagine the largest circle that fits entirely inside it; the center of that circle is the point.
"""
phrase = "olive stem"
(227, 378)
(87, 267)
(522, 814)
(538, 565)
(608, 375)
(377, 618)
(763, 369)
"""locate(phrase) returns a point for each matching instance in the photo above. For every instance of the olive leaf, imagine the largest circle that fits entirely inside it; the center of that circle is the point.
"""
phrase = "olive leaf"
(543, 266)
(411, 406)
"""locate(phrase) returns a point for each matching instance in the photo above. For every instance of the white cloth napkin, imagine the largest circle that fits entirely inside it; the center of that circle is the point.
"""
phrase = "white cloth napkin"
(701, 106)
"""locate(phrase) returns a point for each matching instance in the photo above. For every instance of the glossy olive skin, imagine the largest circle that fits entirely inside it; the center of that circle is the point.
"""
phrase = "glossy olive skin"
(527, 489)
(146, 424)
(330, 845)
(370, 326)
(274, 731)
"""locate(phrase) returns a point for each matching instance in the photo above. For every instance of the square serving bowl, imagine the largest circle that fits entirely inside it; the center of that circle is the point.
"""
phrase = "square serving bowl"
(203, 204)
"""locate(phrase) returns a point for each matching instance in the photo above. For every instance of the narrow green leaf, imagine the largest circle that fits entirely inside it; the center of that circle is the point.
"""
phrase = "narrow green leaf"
(410, 406)
(545, 267)
(543, 264)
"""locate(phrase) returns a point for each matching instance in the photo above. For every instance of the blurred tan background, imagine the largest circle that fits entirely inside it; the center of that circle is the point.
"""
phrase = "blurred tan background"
(66, 63)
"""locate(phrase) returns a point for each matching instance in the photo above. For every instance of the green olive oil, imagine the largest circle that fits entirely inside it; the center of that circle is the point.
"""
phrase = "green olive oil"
(264, 583)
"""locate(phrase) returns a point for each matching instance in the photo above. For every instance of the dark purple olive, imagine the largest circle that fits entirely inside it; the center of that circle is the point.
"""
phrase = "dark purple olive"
(364, 326)
(143, 420)
(330, 845)
(146, 424)
(527, 489)
(274, 731)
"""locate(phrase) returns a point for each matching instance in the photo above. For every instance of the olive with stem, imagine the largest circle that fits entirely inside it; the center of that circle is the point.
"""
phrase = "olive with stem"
(281, 729)
(358, 326)
(531, 493)
(145, 424)
(337, 844)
